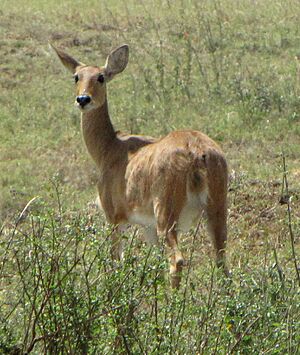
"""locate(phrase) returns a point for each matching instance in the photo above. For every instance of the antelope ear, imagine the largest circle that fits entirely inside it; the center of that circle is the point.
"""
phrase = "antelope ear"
(70, 63)
(117, 61)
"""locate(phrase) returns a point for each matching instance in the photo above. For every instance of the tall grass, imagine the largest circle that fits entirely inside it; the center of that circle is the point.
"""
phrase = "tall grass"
(62, 293)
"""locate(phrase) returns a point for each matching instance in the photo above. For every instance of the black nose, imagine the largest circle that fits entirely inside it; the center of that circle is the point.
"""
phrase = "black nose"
(83, 100)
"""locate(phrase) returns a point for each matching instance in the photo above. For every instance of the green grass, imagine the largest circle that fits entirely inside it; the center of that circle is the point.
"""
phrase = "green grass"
(226, 68)
(63, 294)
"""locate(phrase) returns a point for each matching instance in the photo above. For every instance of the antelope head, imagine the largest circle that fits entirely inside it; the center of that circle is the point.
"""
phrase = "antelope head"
(91, 81)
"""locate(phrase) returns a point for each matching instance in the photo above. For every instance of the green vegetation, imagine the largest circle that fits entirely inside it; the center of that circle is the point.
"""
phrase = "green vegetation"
(227, 68)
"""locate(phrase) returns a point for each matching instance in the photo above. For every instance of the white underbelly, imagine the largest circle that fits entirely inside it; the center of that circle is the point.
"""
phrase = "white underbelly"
(188, 218)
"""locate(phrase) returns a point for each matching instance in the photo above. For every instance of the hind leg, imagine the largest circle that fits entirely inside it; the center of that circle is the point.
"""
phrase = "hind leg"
(217, 226)
(166, 225)
(117, 242)
(217, 175)
(176, 258)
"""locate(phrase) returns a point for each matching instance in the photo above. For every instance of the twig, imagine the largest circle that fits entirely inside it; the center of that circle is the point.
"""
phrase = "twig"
(186, 285)
(22, 214)
(244, 334)
(288, 201)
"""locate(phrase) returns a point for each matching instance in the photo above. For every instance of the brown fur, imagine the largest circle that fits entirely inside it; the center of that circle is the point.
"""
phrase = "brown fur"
(143, 179)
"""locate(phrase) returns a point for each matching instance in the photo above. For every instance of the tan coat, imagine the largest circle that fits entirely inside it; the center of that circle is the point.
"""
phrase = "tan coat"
(163, 184)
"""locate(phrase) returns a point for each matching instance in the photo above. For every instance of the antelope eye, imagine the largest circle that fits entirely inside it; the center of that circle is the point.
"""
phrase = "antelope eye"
(76, 78)
(101, 78)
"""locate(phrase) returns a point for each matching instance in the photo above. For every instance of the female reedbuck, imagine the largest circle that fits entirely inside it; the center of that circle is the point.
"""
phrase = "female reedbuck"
(162, 184)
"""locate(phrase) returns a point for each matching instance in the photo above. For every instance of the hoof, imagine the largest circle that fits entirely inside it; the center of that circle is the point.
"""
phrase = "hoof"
(180, 263)
(179, 260)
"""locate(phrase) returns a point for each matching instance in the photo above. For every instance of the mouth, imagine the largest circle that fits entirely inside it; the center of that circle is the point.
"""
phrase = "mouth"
(84, 108)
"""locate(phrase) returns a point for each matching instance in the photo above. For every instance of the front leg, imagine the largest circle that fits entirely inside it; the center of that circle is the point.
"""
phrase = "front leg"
(116, 217)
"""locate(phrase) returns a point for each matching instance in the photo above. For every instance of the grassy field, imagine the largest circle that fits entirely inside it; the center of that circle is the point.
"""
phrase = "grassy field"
(228, 68)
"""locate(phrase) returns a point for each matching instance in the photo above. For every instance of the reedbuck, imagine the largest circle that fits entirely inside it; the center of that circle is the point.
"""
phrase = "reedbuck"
(162, 184)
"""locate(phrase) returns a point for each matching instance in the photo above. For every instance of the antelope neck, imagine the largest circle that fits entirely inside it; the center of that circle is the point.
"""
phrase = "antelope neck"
(98, 133)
